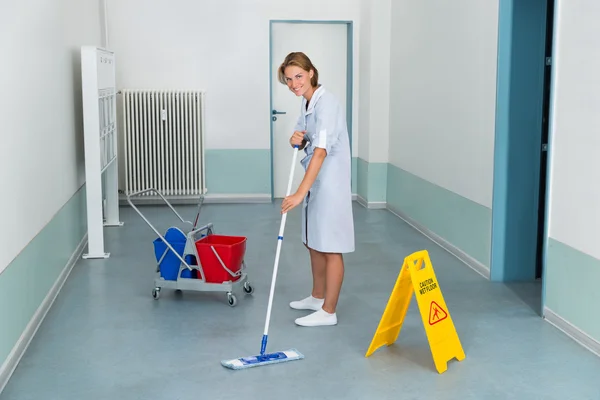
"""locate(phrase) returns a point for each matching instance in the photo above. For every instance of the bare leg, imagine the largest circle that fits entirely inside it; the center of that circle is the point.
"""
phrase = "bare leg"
(334, 280)
(319, 272)
(319, 267)
(328, 275)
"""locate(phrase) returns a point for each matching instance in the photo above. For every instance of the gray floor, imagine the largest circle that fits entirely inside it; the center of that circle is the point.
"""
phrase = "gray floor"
(107, 338)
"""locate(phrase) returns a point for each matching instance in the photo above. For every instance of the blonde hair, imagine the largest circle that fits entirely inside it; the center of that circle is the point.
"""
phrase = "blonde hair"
(298, 59)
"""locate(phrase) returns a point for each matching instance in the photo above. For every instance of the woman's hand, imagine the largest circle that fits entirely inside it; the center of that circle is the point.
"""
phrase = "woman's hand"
(297, 139)
(291, 202)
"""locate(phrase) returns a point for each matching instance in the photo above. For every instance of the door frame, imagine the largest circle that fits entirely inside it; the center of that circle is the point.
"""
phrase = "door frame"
(349, 79)
(499, 269)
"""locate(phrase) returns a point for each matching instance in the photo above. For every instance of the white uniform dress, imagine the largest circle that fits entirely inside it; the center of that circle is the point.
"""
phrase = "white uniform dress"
(327, 217)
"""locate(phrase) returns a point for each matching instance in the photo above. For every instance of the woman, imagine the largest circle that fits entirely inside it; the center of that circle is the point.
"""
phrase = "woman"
(325, 190)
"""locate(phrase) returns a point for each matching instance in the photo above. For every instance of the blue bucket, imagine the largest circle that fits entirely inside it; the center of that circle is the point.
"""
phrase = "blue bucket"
(169, 267)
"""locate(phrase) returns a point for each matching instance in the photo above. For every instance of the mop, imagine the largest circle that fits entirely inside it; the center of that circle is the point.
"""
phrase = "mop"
(279, 356)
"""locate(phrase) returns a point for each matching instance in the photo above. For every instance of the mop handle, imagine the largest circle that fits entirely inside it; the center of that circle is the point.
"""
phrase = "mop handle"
(276, 266)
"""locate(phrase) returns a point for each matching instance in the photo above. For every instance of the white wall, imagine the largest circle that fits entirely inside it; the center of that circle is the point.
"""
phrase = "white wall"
(218, 46)
(574, 215)
(41, 155)
(443, 93)
(364, 66)
(374, 66)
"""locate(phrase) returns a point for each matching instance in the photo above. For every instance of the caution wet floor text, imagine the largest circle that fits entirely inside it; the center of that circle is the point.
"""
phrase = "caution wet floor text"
(417, 276)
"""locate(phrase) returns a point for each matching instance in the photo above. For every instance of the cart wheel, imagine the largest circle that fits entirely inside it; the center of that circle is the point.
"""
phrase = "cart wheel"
(231, 299)
(248, 288)
(156, 293)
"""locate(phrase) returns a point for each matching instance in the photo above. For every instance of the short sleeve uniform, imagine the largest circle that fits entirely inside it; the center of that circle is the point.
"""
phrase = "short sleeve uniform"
(327, 217)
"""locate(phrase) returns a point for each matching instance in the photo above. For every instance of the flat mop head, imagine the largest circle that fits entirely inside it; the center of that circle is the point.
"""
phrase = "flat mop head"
(265, 359)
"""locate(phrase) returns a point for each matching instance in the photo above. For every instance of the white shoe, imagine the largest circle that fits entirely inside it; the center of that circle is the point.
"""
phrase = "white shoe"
(309, 303)
(318, 318)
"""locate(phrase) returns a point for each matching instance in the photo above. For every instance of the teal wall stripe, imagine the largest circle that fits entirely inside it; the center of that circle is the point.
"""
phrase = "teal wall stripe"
(377, 187)
(460, 221)
(571, 282)
(354, 175)
(238, 171)
(372, 180)
(25, 283)
(362, 170)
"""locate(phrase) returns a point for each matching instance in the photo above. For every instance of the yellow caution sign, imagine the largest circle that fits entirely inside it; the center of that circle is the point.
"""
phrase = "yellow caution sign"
(417, 276)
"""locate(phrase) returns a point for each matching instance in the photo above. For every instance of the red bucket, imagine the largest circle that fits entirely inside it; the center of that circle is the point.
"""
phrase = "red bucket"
(231, 250)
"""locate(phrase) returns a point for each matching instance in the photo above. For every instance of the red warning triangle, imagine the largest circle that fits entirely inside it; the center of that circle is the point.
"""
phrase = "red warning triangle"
(436, 313)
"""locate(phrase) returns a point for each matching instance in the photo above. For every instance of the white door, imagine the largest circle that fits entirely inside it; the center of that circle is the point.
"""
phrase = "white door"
(326, 46)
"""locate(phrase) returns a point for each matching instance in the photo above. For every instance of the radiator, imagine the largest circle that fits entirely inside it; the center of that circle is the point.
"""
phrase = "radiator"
(164, 141)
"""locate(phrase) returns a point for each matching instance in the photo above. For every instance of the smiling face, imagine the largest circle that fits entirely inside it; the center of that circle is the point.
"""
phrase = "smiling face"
(299, 74)
(298, 81)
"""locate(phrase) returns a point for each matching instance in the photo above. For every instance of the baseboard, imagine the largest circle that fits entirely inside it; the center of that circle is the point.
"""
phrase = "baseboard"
(20, 347)
(208, 198)
(212, 198)
(361, 200)
(449, 247)
(237, 198)
(572, 331)
(372, 205)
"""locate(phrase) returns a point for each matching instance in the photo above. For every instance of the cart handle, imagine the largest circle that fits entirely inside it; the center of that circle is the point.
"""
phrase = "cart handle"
(223, 264)
(167, 203)
(154, 229)
(208, 228)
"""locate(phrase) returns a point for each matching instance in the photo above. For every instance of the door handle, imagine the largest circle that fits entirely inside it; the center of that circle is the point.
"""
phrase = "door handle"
(275, 112)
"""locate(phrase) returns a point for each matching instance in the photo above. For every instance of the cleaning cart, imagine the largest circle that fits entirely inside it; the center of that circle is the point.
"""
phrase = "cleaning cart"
(198, 260)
